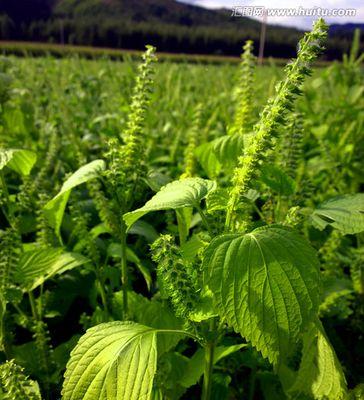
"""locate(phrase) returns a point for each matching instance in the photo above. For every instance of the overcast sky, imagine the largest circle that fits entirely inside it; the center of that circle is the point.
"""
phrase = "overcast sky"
(300, 22)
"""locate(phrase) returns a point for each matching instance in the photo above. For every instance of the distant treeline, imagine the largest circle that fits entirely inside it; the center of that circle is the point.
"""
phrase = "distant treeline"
(171, 27)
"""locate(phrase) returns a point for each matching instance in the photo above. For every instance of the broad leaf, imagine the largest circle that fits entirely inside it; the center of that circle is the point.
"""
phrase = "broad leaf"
(153, 313)
(35, 267)
(265, 284)
(20, 161)
(345, 213)
(112, 361)
(54, 209)
(178, 194)
(320, 375)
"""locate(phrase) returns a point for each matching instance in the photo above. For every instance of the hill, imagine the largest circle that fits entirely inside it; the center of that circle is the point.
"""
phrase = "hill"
(130, 24)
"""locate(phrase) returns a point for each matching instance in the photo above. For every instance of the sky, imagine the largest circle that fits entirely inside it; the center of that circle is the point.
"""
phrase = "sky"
(304, 22)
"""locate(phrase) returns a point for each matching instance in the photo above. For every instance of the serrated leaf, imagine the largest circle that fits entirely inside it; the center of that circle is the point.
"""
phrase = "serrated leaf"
(265, 284)
(345, 213)
(35, 267)
(112, 361)
(151, 313)
(20, 161)
(217, 200)
(320, 375)
(178, 194)
(54, 209)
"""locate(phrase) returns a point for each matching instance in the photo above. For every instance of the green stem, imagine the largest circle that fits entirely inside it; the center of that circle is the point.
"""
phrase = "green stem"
(8, 214)
(230, 213)
(178, 332)
(33, 306)
(204, 219)
(181, 231)
(102, 294)
(209, 364)
(252, 381)
(5, 346)
(124, 272)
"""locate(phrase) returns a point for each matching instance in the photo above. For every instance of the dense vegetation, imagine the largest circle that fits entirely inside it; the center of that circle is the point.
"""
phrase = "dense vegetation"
(182, 234)
(167, 24)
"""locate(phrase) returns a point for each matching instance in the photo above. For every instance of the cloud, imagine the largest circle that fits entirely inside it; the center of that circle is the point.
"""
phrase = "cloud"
(298, 21)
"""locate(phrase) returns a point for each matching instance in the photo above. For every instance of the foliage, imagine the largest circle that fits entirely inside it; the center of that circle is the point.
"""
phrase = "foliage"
(150, 248)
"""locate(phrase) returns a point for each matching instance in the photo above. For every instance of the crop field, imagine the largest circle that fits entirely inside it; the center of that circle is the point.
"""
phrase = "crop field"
(182, 230)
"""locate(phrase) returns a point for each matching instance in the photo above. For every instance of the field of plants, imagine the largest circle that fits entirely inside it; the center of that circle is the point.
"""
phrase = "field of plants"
(182, 231)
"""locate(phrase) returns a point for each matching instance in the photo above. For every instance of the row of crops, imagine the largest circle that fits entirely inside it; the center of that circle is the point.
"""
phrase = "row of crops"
(182, 231)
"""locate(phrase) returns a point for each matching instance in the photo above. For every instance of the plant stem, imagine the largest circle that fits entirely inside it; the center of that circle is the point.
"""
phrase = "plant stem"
(179, 332)
(204, 219)
(209, 364)
(102, 294)
(124, 271)
(231, 213)
(33, 306)
(8, 214)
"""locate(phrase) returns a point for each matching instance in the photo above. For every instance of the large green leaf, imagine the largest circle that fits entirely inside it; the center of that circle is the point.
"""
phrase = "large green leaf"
(153, 313)
(20, 161)
(265, 284)
(112, 361)
(345, 213)
(177, 194)
(320, 375)
(35, 267)
(54, 209)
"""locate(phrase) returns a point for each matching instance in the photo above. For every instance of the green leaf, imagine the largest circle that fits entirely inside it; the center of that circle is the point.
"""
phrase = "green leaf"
(278, 180)
(265, 284)
(54, 209)
(20, 161)
(35, 267)
(195, 367)
(204, 309)
(223, 151)
(191, 248)
(217, 200)
(184, 219)
(178, 194)
(345, 213)
(320, 375)
(144, 229)
(115, 250)
(112, 361)
(153, 313)
(228, 148)
(208, 160)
